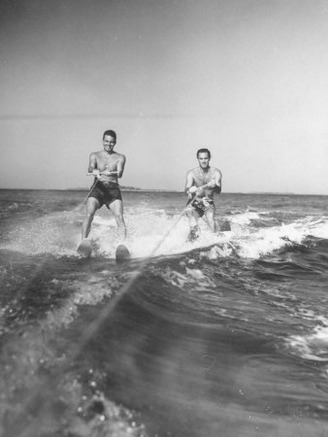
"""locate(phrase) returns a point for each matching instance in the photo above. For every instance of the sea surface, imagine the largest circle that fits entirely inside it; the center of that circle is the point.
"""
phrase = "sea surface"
(224, 337)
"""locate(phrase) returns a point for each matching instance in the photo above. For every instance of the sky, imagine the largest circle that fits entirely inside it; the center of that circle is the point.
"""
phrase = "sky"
(247, 79)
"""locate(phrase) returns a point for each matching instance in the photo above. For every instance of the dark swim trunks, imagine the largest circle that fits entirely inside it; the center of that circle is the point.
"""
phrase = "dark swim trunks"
(106, 193)
(201, 205)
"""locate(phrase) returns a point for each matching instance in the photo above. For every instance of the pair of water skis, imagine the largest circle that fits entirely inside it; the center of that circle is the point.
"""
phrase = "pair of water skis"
(122, 253)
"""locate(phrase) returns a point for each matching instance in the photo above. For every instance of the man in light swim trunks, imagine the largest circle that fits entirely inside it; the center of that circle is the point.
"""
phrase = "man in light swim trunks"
(107, 166)
(201, 184)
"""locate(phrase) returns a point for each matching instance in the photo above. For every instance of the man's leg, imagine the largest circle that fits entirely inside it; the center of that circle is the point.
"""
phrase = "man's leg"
(117, 209)
(91, 207)
(209, 214)
(193, 224)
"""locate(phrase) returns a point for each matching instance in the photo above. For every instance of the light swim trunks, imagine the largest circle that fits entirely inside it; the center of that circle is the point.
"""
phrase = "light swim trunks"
(202, 204)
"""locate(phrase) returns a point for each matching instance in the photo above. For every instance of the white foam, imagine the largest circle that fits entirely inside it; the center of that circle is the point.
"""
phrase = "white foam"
(313, 346)
(52, 234)
(317, 227)
(157, 233)
(192, 278)
(244, 218)
(263, 241)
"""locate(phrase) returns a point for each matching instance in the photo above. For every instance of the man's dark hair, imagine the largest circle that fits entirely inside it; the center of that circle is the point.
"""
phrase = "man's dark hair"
(111, 133)
(203, 151)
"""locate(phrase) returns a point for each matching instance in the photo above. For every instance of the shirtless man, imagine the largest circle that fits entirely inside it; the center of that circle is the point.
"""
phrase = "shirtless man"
(201, 184)
(107, 166)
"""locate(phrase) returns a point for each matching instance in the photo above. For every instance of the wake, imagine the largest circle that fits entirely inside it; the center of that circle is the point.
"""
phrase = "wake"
(151, 234)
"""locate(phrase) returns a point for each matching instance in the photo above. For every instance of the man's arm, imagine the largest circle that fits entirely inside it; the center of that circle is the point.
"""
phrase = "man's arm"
(192, 189)
(189, 183)
(215, 183)
(218, 182)
(92, 163)
(120, 166)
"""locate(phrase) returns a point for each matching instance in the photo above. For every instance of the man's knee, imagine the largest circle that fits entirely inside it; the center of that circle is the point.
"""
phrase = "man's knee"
(211, 221)
(192, 214)
(212, 225)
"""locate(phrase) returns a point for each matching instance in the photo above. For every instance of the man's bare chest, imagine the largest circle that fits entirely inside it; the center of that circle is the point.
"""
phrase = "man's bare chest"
(109, 161)
(201, 177)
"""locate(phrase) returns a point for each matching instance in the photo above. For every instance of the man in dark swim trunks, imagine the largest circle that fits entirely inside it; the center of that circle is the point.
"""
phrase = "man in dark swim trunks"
(107, 166)
(201, 184)
(106, 193)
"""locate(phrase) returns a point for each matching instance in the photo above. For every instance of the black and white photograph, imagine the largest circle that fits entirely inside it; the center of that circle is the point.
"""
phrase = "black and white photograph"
(164, 218)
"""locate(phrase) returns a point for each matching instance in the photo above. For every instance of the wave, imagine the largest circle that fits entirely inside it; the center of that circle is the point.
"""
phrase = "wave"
(247, 309)
(156, 233)
(314, 345)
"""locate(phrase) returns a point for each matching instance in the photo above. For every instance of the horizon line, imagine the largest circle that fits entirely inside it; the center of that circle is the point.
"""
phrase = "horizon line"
(129, 188)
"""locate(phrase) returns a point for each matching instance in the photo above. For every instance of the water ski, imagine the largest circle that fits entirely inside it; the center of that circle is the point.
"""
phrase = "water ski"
(85, 248)
(122, 253)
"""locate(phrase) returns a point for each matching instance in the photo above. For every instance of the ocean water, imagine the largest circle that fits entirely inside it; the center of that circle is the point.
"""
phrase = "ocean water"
(225, 337)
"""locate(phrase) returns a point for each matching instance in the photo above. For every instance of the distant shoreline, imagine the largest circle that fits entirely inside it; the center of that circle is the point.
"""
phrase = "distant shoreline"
(159, 190)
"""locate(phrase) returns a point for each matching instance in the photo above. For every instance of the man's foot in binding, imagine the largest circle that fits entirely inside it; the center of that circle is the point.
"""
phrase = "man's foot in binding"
(193, 234)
